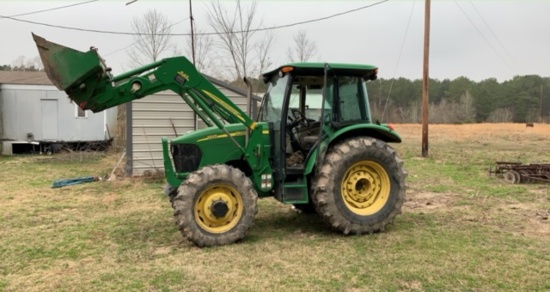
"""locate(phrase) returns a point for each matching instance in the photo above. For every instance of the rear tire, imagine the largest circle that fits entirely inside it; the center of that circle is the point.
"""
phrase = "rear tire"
(360, 187)
(215, 206)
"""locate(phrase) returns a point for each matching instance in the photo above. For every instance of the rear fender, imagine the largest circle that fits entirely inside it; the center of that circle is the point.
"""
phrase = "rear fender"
(382, 132)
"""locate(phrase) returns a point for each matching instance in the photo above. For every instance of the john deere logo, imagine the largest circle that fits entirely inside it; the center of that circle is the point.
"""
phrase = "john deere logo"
(182, 74)
(181, 78)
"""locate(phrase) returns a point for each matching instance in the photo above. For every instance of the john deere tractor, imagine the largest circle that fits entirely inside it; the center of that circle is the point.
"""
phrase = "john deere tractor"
(313, 145)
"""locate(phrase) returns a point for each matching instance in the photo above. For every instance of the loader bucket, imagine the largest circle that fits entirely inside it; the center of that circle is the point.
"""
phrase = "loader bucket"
(77, 73)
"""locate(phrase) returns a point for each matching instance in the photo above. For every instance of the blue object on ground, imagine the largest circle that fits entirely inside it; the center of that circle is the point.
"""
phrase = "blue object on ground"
(73, 181)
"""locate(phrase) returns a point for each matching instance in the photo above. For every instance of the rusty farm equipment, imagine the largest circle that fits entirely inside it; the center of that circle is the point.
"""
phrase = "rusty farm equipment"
(516, 172)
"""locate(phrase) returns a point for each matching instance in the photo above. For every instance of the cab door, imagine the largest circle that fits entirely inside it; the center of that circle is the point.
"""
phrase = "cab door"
(327, 114)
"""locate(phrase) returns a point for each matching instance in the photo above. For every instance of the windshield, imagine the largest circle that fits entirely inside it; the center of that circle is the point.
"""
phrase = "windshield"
(272, 105)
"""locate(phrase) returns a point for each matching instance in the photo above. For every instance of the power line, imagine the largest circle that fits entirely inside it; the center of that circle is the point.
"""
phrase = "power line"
(483, 36)
(46, 10)
(206, 33)
(398, 59)
(493, 33)
(313, 20)
(121, 49)
(118, 50)
(404, 38)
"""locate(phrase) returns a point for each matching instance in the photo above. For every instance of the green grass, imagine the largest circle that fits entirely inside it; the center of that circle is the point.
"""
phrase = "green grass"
(461, 230)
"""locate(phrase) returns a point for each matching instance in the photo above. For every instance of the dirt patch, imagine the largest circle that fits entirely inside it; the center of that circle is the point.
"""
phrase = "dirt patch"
(164, 250)
(535, 220)
(109, 199)
(411, 285)
(429, 201)
(491, 212)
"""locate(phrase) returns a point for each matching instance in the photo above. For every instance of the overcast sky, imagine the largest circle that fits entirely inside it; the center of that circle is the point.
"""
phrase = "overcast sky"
(477, 39)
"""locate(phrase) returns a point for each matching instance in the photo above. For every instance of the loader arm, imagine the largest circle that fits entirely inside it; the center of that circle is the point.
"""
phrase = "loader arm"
(89, 82)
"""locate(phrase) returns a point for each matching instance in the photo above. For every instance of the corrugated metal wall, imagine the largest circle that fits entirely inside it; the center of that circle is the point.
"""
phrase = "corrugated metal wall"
(156, 116)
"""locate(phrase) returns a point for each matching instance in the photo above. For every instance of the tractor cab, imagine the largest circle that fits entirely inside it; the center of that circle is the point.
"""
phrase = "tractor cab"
(309, 105)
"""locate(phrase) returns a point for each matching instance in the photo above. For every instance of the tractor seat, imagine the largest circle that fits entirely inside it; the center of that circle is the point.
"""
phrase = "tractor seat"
(309, 136)
(307, 142)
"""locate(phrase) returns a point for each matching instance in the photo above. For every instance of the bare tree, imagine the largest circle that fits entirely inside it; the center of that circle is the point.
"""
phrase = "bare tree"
(203, 44)
(501, 115)
(152, 37)
(19, 62)
(37, 62)
(34, 64)
(408, 114)
(23, 64)
(263, 51)
(234, 29)
(465, 109)
(303, 49)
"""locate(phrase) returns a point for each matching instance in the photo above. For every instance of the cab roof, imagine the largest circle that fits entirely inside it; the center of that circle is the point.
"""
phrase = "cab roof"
(306, 68)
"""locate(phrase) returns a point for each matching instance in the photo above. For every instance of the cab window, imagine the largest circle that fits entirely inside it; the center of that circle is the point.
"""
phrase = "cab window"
(352, 99)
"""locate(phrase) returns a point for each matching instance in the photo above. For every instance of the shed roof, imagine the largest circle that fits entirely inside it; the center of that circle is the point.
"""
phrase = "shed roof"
(24, 77)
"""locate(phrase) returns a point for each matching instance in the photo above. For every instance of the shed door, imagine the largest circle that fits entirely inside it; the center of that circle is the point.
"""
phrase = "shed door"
(49, 119)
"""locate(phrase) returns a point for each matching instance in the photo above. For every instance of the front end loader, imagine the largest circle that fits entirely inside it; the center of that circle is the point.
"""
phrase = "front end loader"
(313, 145)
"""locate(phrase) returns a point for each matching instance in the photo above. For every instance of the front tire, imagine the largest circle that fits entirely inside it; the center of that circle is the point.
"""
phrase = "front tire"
(360, 187)
(171, 193)
(215, 206)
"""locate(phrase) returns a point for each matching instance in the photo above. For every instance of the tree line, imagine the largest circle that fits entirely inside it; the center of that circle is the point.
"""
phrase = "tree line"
(522, 99)
(21, 63)
(20, 68)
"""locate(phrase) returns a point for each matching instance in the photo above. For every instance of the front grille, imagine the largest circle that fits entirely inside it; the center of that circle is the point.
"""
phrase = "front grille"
(187, 157)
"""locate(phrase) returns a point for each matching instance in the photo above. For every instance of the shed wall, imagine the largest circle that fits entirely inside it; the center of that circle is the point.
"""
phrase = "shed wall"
(152, 119)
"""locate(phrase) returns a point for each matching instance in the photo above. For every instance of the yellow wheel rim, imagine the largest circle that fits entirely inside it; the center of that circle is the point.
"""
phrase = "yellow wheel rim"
(213, 198)
(365, 188)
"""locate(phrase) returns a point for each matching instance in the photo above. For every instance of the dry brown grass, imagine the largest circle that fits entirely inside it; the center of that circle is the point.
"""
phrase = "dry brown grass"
(482, 145)
(477, 133)
(461, 229)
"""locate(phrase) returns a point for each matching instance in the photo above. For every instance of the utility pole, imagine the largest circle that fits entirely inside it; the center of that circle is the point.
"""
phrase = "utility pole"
(192, 31)
(425, 80)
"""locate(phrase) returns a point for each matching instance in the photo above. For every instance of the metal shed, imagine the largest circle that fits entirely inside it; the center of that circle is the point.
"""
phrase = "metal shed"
(165, 114)
(33, 111)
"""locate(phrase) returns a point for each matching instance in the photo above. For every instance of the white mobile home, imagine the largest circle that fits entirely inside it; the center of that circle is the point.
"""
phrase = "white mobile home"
(34, 112)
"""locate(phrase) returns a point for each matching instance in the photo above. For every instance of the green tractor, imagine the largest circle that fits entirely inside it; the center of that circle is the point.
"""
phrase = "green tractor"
(313, 145)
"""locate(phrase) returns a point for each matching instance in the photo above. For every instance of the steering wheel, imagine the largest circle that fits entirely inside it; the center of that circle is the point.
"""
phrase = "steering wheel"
(300, 117)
